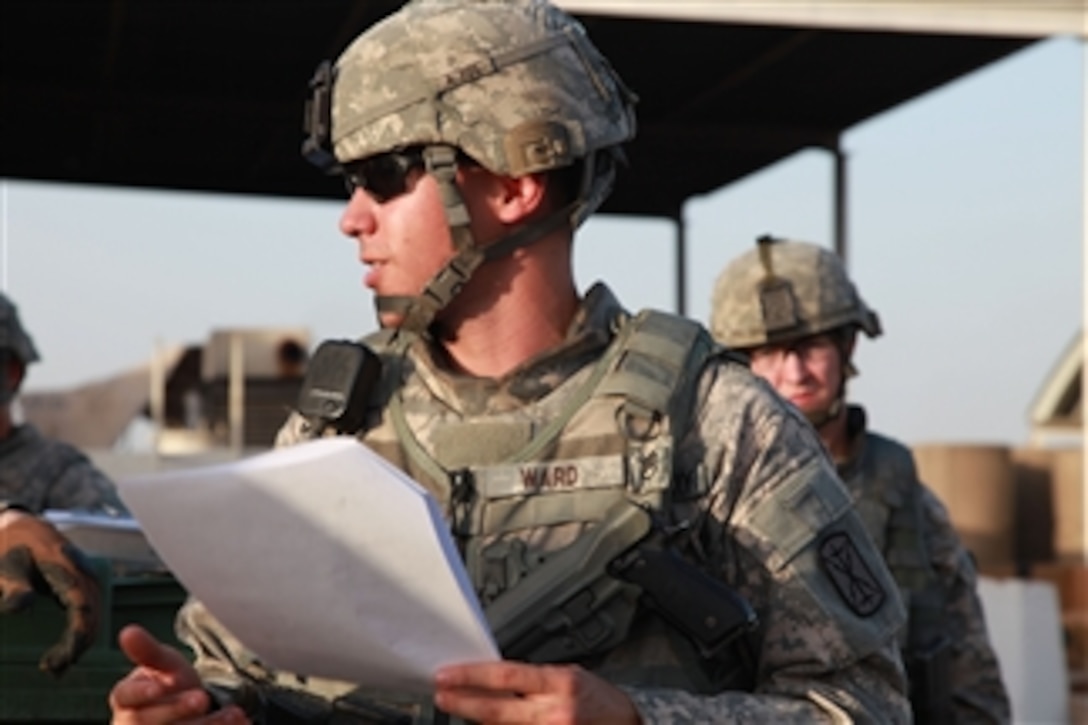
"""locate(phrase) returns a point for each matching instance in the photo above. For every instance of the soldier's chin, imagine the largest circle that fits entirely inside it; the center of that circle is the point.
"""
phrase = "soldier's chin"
(809, 407)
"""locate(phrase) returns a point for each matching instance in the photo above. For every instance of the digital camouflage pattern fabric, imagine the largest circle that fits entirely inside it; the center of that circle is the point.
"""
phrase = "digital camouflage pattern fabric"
(39, 473)
(785, 290)
(519, 92)
(882, 479)
(752, 483)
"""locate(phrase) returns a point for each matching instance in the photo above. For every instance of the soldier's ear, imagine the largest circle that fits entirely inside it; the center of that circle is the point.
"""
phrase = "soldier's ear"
(520, 198)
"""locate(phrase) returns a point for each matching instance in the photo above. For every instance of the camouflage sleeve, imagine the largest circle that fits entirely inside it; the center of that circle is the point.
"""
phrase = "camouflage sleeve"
(782, 526)
(230, 672)
(218, 656)
(233, 674)
(81, 486)
(978, 692)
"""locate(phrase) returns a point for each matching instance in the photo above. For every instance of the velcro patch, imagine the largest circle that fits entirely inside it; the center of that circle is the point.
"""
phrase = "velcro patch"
(851, 576)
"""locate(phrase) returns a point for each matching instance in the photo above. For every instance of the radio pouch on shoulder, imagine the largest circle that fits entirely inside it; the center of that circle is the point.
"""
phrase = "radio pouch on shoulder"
(339, 380)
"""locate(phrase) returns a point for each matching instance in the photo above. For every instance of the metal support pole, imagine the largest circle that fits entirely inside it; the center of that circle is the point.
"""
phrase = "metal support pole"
(681, 263)
(236, 393)
(157, 395)
(1084, 311)
(840, 200)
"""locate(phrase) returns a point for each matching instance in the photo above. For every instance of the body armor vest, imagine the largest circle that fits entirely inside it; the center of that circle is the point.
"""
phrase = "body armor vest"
(558, 464)
(524, 485)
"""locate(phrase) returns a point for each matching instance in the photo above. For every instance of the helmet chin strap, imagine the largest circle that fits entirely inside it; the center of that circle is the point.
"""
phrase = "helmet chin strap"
(821, 418)
(418, 312)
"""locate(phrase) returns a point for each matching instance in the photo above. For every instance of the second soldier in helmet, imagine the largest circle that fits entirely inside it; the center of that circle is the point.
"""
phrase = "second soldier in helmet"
(792, 308)
(475, 136)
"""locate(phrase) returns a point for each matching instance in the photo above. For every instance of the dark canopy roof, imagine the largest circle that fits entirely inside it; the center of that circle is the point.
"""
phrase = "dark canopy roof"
(207, 94)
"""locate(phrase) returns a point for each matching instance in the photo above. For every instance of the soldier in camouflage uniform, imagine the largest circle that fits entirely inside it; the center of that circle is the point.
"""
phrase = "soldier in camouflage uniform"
(475, 136)
(791, 306)
(36, 474)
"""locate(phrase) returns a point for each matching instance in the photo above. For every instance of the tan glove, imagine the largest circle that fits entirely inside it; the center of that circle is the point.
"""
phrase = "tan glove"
(35, 557)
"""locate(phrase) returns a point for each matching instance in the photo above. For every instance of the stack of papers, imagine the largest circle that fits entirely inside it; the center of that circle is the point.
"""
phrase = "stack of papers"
(118, 538)
(323, 559)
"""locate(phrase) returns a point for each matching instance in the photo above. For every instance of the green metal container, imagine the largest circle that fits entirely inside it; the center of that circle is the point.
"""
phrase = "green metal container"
(28, 694)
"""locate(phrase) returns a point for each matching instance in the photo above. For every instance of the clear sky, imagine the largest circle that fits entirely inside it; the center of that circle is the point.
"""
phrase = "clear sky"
(965, 228)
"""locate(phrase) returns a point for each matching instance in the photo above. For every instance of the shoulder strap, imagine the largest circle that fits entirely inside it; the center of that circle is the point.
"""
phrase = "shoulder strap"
(656, 374)
(660, 354)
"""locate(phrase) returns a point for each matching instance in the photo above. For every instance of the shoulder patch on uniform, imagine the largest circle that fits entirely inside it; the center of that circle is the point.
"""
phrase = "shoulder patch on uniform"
(851, 576)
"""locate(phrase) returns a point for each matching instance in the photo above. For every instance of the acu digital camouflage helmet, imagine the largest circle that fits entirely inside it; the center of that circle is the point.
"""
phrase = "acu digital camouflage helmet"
(784, 291)
(514, 84)
(14, 339)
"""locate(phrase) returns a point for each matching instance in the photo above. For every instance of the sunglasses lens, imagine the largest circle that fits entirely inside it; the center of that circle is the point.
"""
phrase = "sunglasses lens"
(384, 176)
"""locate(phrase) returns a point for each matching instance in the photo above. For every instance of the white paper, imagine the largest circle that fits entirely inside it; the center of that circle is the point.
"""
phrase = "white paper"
(323, 559)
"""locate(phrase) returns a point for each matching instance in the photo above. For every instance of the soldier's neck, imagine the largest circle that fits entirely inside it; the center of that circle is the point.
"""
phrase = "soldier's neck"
(515, 308)
(503, 338)
(836, 437)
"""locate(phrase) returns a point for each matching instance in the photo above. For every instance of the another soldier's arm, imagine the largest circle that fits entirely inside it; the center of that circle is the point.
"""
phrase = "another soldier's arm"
(795, 548)
(978, 693)
(36, 558)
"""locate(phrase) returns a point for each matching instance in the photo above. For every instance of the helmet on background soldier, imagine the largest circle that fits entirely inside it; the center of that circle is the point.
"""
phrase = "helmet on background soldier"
(514, 85)
(783, 292)
(15, 343)
(14, 339)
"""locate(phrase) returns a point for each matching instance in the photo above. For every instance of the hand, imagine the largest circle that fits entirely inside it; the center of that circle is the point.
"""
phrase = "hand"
(163, 687)
(35, 557)
(514, 692)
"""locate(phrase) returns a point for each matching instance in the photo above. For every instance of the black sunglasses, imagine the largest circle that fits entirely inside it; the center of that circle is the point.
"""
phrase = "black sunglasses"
(383, 176)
